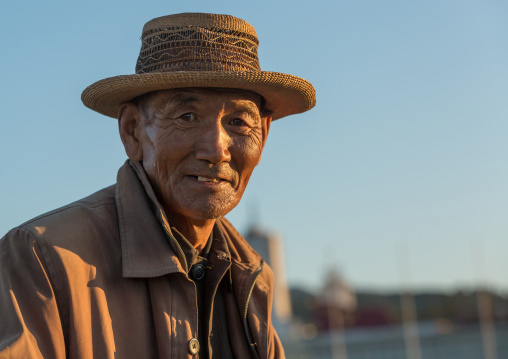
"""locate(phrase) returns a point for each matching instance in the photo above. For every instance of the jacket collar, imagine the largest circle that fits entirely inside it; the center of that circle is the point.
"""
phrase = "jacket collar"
(146, 251)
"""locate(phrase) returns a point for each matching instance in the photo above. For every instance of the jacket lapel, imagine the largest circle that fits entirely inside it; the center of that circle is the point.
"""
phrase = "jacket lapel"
(146, 251)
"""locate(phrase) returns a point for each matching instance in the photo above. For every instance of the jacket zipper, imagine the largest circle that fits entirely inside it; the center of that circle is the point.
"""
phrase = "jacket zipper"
(245, 320)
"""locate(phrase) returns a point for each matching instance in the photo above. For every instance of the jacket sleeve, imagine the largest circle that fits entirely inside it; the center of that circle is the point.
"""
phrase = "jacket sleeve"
(30, 321)
(275, 349)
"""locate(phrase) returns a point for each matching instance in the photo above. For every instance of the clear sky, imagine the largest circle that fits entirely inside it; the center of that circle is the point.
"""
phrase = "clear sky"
(403, 160)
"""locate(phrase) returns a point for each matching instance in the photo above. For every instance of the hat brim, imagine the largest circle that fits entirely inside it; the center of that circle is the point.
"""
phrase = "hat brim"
(284, 94)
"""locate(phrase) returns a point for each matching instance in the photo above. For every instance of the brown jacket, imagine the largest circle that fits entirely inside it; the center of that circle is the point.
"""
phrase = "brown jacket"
(98, 279)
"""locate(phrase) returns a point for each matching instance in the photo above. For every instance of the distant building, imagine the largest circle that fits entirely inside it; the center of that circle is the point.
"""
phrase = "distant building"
(270, 247)
(337, 293)
(336, 303)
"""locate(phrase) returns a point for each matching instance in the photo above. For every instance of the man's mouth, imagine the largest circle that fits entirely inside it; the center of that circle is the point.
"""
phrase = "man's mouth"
(208, 179)
(211, 179)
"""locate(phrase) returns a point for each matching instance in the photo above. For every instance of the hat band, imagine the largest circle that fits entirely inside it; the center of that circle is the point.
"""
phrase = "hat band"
(197, 49)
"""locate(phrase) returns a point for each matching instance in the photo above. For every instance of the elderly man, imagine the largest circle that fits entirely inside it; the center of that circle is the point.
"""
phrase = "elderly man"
(149, 268)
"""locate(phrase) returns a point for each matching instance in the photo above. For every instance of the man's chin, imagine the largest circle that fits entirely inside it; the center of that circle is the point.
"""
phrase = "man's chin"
(215, 212)
(209, 210)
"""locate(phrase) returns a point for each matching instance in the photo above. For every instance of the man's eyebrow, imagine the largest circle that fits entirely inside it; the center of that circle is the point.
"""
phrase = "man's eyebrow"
(174, 102)
(248, 106)
(183, 99)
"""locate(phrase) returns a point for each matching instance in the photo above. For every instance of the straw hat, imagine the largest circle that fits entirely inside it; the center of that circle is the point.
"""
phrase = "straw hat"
(201, 50)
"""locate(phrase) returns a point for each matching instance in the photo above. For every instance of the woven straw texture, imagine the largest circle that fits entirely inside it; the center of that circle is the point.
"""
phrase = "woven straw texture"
(200, 50)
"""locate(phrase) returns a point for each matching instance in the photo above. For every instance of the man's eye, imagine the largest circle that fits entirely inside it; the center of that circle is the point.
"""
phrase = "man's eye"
(237, 122)
(188, 117)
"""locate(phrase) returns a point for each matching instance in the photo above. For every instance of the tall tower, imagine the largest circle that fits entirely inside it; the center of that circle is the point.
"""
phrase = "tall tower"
(270, 247)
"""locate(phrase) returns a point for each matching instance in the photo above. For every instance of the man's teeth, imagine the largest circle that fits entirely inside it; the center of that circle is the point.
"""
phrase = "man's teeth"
(206, 179)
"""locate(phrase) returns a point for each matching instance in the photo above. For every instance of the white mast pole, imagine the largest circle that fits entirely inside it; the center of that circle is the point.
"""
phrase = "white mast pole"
(408, 308)
(485, 308)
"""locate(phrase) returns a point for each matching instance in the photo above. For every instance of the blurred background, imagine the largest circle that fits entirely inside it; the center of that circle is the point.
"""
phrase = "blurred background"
(383, 210)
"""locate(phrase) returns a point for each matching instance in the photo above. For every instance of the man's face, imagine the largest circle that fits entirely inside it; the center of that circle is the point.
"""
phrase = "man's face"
(199, 148)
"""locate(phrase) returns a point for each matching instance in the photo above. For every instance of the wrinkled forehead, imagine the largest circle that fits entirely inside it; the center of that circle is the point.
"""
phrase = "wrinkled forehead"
(187, 95)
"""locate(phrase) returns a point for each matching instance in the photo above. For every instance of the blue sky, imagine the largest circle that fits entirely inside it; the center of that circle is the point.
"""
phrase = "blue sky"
(404, 155)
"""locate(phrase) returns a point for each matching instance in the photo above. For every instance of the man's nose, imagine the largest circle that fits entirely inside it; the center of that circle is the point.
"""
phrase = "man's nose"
(214, 144)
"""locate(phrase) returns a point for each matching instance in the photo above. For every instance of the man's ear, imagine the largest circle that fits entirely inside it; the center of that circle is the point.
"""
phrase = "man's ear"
(130, 125)
(266, 122)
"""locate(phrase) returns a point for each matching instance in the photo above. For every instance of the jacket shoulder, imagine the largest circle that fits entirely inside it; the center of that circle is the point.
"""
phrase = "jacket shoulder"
(100, 198)
(81, 219)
